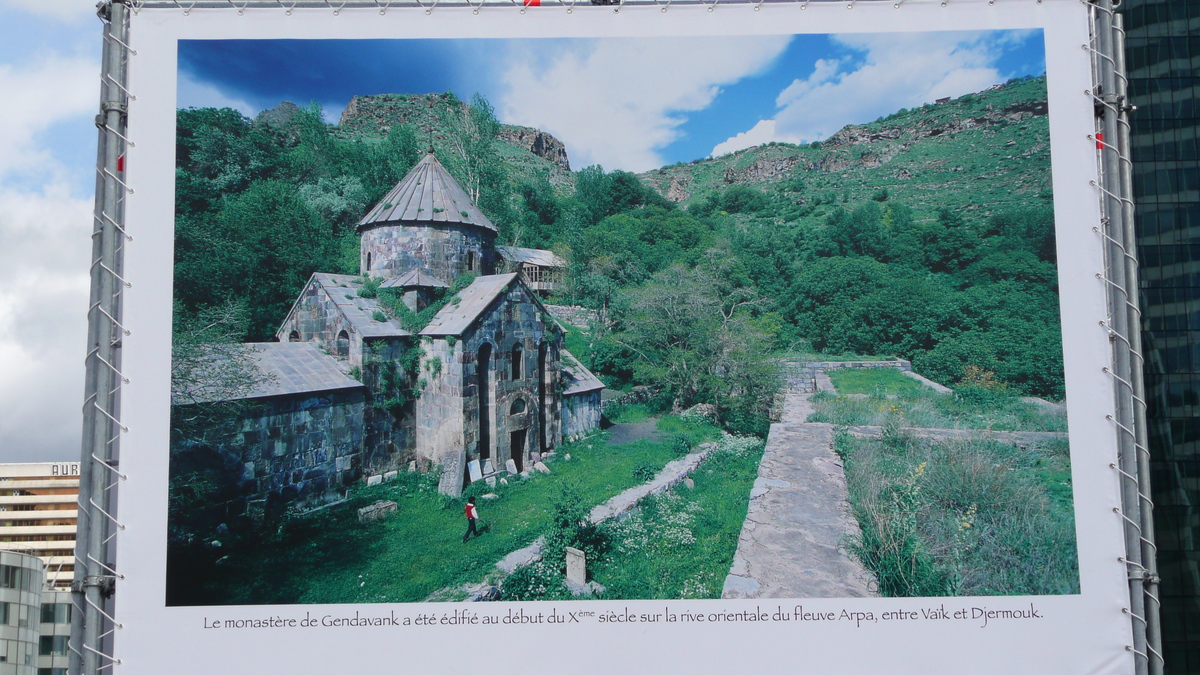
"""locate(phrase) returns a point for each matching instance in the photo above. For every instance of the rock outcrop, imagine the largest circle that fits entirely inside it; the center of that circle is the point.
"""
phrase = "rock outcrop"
(538, 143)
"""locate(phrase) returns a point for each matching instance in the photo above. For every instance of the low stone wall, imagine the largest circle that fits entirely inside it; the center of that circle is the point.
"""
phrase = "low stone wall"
(801, 376)
(575, 315)
(638, 395)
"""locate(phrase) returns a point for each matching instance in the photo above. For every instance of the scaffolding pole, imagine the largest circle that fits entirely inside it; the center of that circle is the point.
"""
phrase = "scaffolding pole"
(1110, 96)
(95, 573)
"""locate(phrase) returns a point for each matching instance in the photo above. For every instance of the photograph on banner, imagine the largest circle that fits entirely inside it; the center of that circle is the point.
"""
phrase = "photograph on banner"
(620, 318)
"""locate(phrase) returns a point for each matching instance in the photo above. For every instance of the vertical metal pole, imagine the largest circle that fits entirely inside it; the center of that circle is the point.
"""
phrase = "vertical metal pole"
(1134, 332)
(94, 576)
(1124, 330)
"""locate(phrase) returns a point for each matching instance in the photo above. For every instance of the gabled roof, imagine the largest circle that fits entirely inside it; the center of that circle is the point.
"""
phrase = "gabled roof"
(359, 312)
(415, 279)
(428, 194)
(473, 301)
(530, 256)
(576, 378)
(283, 367)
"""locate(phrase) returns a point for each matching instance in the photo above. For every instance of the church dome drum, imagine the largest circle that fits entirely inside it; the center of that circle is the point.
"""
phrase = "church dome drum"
(427, 222)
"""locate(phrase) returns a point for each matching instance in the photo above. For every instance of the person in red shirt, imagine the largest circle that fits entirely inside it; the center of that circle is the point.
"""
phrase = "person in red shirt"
(472, 518)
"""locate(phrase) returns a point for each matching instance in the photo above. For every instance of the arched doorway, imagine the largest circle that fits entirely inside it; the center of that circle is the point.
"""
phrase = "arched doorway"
(483, 365)
(517, 437)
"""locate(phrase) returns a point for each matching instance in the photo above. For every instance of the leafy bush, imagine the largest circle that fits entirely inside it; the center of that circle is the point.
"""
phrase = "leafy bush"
(538, 581)
(370, 287)
(682, 445)
(644, 472)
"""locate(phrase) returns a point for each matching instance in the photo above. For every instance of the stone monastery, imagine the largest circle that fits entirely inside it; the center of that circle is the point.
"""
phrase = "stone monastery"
(350, 395)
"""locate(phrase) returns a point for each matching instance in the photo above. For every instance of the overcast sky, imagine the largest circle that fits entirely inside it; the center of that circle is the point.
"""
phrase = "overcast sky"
(700, 97)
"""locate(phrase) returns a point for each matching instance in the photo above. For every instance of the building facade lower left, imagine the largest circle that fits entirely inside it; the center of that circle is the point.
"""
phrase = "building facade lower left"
(35, 619)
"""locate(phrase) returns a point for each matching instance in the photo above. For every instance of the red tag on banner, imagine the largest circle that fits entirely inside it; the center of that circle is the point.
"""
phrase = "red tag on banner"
(1099, 141)
(120, 163)
(533, 3)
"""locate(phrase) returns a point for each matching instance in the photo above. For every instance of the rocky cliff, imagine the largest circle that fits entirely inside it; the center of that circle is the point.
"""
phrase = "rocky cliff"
(374, 116)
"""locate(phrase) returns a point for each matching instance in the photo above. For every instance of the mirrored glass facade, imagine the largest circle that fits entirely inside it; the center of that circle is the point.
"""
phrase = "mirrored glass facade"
(1163, 61)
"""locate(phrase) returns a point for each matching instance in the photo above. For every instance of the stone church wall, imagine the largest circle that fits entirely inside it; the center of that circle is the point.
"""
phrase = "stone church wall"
(299, 451)
(448, 410)
(447, 250)
(581, 414)
(318, 319)
(439, 410)
(389, 439)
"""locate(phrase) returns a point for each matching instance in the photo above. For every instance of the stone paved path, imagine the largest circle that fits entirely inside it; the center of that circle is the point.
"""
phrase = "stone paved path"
(791, 545)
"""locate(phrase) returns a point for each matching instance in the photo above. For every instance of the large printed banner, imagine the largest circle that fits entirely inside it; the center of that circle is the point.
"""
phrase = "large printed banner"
(738, 339)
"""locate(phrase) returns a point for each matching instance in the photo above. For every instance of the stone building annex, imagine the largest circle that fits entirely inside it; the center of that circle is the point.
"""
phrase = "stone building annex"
(349, 395)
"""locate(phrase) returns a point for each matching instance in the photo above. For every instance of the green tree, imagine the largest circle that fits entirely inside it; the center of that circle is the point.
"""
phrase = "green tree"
(260, 249)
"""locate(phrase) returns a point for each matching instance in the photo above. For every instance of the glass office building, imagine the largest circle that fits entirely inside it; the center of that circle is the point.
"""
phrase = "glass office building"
(1163, 62)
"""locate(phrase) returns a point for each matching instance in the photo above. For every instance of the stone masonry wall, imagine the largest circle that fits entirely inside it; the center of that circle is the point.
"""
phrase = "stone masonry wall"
(445, 249)
(448, 428)
(581, 414)
(575, 315)
(801, 376)
(318, 319)
(298, 451)
(389, 439)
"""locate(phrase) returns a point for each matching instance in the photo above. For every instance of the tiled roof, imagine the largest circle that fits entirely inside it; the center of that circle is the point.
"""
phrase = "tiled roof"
(415, 279)
(473, 300)
(428, 194)
(285, 368)
(359, 312)
(531, 256)
(576, 378)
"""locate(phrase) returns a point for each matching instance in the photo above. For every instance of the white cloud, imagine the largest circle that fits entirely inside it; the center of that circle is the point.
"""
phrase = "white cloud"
(823, 71)
(192, 93)
(45, 228)
(763, 132)
(898, 70)
(58, 9)
(52, 91)
(43, 321)
(617, 102)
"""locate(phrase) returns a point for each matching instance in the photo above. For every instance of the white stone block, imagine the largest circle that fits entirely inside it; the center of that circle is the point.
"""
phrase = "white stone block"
(576, 566)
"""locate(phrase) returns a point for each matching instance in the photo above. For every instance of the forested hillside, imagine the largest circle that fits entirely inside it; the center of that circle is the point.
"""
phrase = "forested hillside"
(926, 235)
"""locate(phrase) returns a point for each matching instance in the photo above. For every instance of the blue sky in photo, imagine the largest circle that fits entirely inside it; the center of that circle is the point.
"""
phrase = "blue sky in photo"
(681, 110)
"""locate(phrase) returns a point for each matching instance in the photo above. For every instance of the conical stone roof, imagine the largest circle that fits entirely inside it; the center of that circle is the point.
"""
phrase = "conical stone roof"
(428, 194)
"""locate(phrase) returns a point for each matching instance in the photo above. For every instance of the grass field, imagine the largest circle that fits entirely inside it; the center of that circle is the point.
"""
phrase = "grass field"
(329, 557)
(922, 407)
(681, 544)
(962, 518)
(879, 381)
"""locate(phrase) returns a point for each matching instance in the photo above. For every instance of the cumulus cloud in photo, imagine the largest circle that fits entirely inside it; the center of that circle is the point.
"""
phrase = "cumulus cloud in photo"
(192, 93)
(618, 102)
(891, 71)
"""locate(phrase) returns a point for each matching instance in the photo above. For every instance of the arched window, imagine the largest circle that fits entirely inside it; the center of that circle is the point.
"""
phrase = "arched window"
(294, 336)
(517, 362)
(342, 346)
(518, 407)
(368, 262)
(470, 262)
